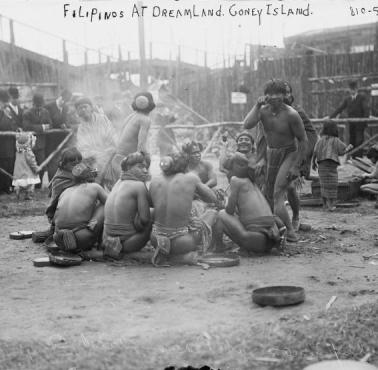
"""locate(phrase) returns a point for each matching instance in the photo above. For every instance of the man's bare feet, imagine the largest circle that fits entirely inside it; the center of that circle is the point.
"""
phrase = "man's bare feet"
(295, 223)
(291, 237)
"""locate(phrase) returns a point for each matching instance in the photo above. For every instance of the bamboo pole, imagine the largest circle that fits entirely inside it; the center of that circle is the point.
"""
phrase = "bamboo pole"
(6, 173)
(356, 149)
(211, 142)
(55, 152)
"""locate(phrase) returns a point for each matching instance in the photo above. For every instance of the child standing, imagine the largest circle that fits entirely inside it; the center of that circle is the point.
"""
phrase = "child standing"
(25, 174)
(326, 158)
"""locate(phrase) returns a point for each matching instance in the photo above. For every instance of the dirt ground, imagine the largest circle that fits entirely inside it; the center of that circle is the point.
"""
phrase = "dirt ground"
(130, 302)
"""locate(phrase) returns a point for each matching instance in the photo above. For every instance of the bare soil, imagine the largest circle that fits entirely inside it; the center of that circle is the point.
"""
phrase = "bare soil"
(133, 305)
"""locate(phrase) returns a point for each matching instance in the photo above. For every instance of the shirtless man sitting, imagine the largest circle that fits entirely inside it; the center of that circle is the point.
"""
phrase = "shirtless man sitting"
(282, 126)
(253, 228)
(175, 231)
(202, 168)
(79, 216)
(127, 224)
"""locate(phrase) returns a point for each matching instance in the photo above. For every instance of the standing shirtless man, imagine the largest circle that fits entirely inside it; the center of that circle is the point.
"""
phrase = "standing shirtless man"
(127, 224)
(135, 132)
(175, 231)
(282, 125)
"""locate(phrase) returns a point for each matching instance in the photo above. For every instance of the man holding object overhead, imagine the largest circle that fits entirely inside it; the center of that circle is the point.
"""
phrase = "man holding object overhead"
(282, 125)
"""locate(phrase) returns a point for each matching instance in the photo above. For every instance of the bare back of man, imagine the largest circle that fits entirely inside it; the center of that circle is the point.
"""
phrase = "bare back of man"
(247, 219)
(172, 197)
(126, 210)
(80, 209)
(134, 135)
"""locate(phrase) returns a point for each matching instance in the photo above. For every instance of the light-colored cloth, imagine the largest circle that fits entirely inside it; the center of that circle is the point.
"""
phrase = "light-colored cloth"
(25, 166)
(328, 178)
(329, 147)
(96, 141)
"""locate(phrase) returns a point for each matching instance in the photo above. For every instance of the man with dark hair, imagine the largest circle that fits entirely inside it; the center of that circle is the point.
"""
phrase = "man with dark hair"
(95, 138)
(15, 109)
(175, 230)
(202, 168)
(37, 119)
(245, 145)
(62, 180)
(247, 219)
(127, 224)
(305, 168)
(356, 106)
(135, 132)
(287, 143)
(79, 216)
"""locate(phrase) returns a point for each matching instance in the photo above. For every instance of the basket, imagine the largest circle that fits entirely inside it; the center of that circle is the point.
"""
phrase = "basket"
(345, 190)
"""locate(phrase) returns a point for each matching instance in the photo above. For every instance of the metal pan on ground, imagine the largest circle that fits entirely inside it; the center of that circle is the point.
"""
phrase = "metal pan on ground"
(41, 262)
(19, 235)
(220, 260)
(341, 365)
(65, 259)
(278, 296)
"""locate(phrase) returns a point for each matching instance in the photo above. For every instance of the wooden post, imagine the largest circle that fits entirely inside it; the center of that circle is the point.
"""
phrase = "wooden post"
(129, 65)
(376, 38)
(142, 51)
(177, 73)
(65, 64)
(307, 71)
(99, 57)
(119, 53)
(11, 32)
(205, 59)
(86, 57)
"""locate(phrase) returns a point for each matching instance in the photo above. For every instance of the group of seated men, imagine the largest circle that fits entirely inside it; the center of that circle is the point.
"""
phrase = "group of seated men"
(180, 212)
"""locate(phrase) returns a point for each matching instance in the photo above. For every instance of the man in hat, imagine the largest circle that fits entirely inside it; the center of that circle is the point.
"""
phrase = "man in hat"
(175, 230)
(38, 119)
(135, 132)
(247, 219)
(245, 146)
(95, 137)
(15, 109)
(287, 143)
(357, 106)
(127, 224)
(58, 110)
(202, 168)
(79, 216)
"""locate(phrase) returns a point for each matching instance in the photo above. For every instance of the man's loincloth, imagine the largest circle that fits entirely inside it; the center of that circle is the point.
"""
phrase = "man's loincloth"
(164, 235)
(275, 158)
(114, 236)
(64, 235)
(197, 227)
(268, 226)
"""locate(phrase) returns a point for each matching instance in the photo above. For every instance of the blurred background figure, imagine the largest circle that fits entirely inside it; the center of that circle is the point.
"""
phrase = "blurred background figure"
(15, 109)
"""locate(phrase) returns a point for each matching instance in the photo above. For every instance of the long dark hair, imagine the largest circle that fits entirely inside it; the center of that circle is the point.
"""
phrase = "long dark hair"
(330, 129)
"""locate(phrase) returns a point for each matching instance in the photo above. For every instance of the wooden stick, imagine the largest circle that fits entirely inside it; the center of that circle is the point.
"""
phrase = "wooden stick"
(55, 152)
(208, 147)
(354, 150)
(6, 173)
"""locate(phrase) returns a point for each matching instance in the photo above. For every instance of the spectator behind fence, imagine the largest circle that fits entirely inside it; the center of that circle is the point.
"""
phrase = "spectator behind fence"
(6, 122)
(38, 119)
(356, 106)
(59, 114)
(15, 110)
(25, 175)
